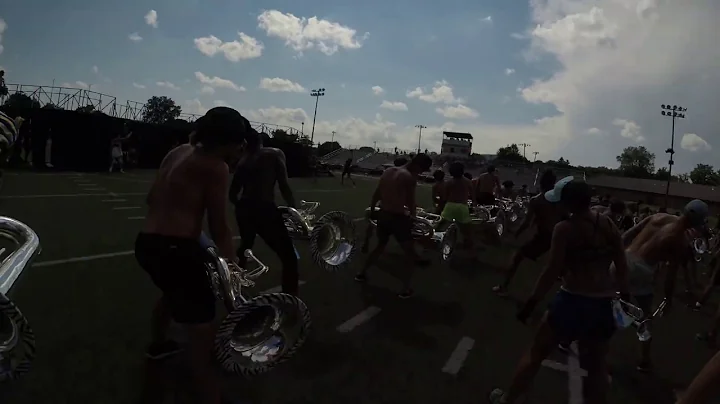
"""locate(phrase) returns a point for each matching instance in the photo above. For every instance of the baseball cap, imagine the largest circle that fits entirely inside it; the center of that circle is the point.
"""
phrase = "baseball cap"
(223, 125)
(697, 211)
(555, 194)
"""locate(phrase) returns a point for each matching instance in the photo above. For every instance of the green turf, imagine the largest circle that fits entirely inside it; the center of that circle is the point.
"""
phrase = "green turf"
(91, 318)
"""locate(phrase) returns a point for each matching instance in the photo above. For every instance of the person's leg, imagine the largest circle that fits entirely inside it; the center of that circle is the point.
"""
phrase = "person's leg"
(532, 250)
(383, 237)
(704, 386)
(277, 238)
(594, 361)
(402, 231)
(644, 302)
(710, 336)
(369, 230)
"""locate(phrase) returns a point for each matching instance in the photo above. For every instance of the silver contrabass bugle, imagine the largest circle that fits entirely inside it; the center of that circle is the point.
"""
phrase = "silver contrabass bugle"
(17, 340)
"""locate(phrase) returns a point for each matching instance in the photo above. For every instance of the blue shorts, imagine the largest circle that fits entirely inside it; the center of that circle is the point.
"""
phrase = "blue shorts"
(574, 317)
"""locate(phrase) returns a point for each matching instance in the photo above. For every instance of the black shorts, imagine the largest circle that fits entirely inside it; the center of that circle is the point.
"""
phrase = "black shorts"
(397, 225)
(176, 265)
(346, 172)
(537, 246)
(575, 317)
(485, 198)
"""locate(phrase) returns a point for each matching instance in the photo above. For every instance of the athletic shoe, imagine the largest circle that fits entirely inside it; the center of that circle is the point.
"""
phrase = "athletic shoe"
(161, 350)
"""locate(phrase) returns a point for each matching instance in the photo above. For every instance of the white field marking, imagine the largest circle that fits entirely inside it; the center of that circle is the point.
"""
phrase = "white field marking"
(359, 319)
(89, 258)
(575, 381)
(319, 190)
(560, 367)
(87, 184)
(126, 207)
(136, 217)
(94, 189)
(114, 200)
(127, 180)
(71, 195)
(278, 289)
(458, 356)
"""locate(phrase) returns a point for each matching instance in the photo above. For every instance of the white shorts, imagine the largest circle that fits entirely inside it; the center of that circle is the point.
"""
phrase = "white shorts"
(117, 153)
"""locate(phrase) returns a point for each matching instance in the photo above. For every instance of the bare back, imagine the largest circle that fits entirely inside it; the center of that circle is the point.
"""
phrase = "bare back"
(176, 203)
(547, 214)
(659, 239)
(397, 189)
(487, 182)
(458, 190)
(260, 172)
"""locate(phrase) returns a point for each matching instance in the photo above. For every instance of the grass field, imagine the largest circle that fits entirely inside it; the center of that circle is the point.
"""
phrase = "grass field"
(89, 304)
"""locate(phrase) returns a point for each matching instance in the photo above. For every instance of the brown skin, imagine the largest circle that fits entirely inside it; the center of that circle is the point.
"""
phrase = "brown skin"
(189, 183)
(488, 182)
(705, 386)
(437, 196)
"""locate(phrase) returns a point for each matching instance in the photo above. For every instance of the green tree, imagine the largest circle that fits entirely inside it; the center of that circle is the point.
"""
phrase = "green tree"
(328, 147)
(704, 174)
(305, 140)
(510, 153)
(282, 136)
(684, 178)
(160, 110)
(86, 109)
(21, 101)
(637, 162)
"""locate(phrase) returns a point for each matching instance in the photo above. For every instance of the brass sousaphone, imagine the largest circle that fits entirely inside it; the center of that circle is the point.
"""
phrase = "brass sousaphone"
(17, 340)
(332, 236)
(258, 332)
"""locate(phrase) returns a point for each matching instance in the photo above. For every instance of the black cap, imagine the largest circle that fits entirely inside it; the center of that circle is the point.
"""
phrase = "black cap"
(223, 125)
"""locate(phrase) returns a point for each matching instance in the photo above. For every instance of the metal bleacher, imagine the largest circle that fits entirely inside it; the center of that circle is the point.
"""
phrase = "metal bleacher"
(375, 160)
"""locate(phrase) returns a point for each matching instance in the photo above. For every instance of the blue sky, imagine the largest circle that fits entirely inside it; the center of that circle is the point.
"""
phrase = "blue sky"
(573, 78)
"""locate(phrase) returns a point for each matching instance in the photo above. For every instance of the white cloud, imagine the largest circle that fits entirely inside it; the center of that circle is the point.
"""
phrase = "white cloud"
(394, 106)
(139, 86)
(487, 19)
(3, 27)
(78, 84)
(217, 82)
(441, 92)
(235, 51)
(303, 34)
(167, 84)
(457, 112)
(624, 58)
(509, 71)
(594, 131)
(194, 106)
(694, 143)
(207, 90)
(630, 130)
(95, 70)
(377, 90)
(277, 84)
(221, 103)
(135, 37)
(151, 18)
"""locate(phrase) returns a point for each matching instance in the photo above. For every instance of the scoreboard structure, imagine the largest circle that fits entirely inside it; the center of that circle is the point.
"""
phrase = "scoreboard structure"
(456, 144)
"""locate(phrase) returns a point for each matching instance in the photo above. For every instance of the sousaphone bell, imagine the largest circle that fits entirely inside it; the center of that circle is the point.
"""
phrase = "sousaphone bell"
(258, 332)
(627, 314)
(332, 236)
(17, 340)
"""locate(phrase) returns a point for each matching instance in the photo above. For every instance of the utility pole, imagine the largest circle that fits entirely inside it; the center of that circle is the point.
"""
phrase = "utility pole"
(673, 112)
(332, 139)
(524, 145)
(317, 94)
(421, 127)
(375, 145)
(302, 128)
(535, 158)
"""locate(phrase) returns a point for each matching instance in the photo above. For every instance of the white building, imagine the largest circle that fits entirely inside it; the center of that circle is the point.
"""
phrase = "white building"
(456, 144)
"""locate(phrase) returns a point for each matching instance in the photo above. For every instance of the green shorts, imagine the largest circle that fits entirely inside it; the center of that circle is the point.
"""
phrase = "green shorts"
(458, 212)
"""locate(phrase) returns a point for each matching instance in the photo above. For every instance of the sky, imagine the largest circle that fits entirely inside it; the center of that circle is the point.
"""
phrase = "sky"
(581, 79)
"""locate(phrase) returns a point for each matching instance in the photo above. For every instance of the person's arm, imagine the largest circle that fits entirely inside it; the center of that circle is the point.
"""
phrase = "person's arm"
(630, 235)
(410, 185)
(216, 192)
(471, 191)
(498, 186)
(283, 183)
(555, 263)
(529, 218)
(151, 194)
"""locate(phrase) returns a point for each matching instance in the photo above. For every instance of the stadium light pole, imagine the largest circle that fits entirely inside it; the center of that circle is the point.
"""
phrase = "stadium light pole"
(421, 127)
(535, 157)
(317, 94)
(524, 145)
(674, 112)
(332, 139)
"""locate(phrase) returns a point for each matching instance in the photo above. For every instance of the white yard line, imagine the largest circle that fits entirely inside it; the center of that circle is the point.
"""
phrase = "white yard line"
(94, 189)
(126, 207)
(458, 356)
(87, 184)
(359, 319)
(83, 259)
(114, 200)
(136, 218)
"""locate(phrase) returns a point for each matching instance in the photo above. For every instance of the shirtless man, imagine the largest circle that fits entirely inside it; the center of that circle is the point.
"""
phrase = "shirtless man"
(616, 211)
(192, 180)
(396, 193)
(116, 152)
(438, 191)
(660, 238)
(456, 193)
(487, 183)
(370, 214)
(257, 172)
(544, 215)
(347, 170)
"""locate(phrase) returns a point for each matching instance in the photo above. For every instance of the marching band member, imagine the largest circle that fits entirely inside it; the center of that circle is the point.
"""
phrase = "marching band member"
(456, 193)
(370, 228)
(582, 249)
(347, 170)
(396, 192)
(191, 180)
(660, 238)
(544, 215)
(487, 183)
(116, 152)
(438, 192)
(259, 169)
